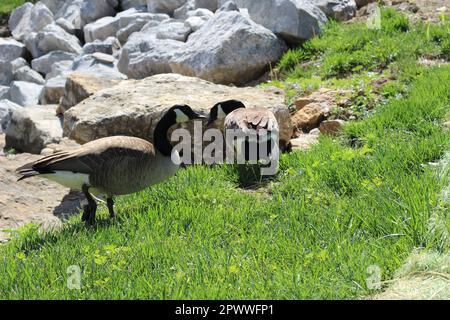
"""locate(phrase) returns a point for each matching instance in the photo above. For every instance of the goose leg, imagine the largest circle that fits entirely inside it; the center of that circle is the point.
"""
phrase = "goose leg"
(110, 204)
(90, 208)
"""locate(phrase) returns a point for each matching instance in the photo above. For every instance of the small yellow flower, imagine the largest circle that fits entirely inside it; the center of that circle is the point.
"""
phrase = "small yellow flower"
(233, 269)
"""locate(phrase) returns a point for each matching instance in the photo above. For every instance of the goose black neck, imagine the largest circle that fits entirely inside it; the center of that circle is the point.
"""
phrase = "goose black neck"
(161, 142)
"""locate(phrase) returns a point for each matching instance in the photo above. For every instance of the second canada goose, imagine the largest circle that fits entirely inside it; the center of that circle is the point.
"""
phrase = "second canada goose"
(115, 165)
(237, 117)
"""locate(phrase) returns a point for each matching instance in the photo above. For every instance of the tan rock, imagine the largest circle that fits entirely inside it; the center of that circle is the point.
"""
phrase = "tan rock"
(310, 116)
(331, 127)
(133, 107)
(80, 86)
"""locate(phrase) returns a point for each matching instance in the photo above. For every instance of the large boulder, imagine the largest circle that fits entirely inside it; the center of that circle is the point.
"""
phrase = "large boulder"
(29, 18)
(11, 49)
(293, 20)
(52, 38)
(229, 48)
(44, 63)
(81, 12)
(169, 30)
(6, 109)
(32, 128)
(25, 93)
(340, 10)
(133, 107)
(164, 6)
(80, 86)
(143, 55)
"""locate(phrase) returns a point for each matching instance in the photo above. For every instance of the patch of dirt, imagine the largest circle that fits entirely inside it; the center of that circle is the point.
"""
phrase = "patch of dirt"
(33, 200)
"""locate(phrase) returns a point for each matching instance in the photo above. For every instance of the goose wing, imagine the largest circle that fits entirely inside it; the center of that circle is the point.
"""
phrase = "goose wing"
(251, 118)
(90, 157)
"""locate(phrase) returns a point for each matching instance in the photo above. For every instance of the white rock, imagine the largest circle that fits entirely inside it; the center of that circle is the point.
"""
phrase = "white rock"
(195, 22)
(11, 49)
(164, 6)
(90, 64)
(136, 26)
(199, 13)
(101, 29)
(18, 63)
(27, 74)
(6, 109)
(181, 12)
(292, 20)
(44, 63)
(340, 10)
(25, 93)
(52, 38)
(60, 68)
(127, 4)
(32, 128)
(29, 18)
(110, 45)
(229, 48)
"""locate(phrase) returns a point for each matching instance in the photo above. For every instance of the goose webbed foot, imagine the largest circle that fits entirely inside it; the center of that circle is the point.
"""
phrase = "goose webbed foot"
(90, 209)
(110, 205)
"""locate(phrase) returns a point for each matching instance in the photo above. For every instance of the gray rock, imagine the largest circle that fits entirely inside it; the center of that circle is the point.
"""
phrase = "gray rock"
(110, 45)
(11, 49)
(127, 4)
(292, 20)
(6, 73)
(52, 38)
(101, 29)
(32, 128)
(169, 30)
(237, 56)
(4, 92)
(18, 63)
(91, 63)
(53, 90)
(143, 55)
(103, 114)
(200, 12)
(136, 26)
(66, 25)
(44, 63)
(27, 74)
(60, 68)
(164, 6)
(29, 18)
(6, 109)
(25, 93)
(340, 10)
(181, 12)
(230, 5)
(81, 12)
(211, 5)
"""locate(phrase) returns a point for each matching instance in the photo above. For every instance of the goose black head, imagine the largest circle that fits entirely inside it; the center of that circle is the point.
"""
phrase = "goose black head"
(222, 109)
(183, 113)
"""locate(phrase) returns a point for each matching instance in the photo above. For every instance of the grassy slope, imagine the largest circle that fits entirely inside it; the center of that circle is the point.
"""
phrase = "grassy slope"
(312, 233)
(6, 6)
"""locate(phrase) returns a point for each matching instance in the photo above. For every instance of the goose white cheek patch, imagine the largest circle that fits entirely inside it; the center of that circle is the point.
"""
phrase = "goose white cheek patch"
(181, 116)
(220, 113)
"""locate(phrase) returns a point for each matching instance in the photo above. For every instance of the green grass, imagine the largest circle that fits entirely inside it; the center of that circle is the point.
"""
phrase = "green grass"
(6, 6)
(312, 233)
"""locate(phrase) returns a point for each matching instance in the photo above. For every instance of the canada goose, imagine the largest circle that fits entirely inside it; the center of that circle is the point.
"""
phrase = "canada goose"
(237, 117)
(115, 165)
